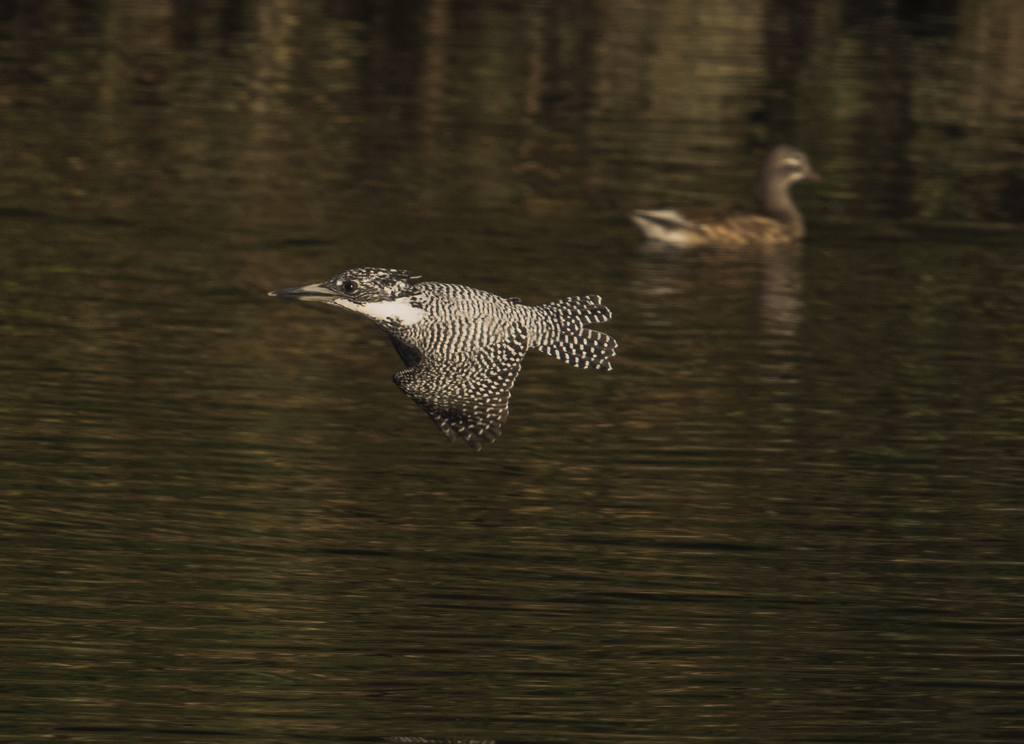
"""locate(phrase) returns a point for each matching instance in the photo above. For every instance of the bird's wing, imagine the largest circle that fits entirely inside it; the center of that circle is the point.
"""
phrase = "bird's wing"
(670, 218)
(468, 396)
(410, 354)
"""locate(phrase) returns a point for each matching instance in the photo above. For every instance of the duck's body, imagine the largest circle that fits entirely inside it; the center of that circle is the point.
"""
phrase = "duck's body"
(778, 222)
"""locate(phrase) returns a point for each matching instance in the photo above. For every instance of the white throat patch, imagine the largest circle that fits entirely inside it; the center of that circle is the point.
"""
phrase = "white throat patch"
(400, 311)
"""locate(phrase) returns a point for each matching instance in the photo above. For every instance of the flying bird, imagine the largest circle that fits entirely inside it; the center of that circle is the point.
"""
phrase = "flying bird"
(463, 347)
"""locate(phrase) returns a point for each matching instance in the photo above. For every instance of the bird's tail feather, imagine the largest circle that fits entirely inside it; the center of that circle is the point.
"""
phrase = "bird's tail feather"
(565, 337)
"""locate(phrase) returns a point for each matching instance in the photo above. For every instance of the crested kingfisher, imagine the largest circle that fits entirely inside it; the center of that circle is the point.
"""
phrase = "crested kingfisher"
(463, 347)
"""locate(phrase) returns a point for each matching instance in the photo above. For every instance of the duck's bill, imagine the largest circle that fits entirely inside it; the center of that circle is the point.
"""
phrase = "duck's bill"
(308, 293)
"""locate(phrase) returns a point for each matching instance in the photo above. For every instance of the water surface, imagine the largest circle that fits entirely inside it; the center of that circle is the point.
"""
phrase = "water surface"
(792, 512)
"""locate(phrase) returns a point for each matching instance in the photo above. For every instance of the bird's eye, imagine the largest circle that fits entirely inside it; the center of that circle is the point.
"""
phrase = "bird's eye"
(349, 286)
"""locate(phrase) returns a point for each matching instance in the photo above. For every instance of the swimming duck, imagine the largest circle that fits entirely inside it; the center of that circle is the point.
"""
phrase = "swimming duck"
(779, 221)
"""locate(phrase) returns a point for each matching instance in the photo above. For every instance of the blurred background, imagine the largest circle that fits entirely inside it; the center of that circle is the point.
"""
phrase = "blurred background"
(791, 514)
(298, 109)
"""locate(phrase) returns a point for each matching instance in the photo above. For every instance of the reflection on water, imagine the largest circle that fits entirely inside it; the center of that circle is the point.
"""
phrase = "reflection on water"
(297, 111)
(792, 513)
(781, 305)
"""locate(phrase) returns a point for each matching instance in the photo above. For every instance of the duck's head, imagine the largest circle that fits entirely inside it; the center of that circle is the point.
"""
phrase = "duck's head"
(786, 165)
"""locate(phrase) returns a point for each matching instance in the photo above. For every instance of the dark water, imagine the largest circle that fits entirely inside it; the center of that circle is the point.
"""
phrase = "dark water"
(792, 513)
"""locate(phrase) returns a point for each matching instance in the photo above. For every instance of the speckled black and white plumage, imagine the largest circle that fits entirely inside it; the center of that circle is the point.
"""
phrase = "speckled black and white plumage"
(463, 347)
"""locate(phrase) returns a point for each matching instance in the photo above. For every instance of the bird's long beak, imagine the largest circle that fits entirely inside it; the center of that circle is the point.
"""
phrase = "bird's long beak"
(308, 293)
(813, 175)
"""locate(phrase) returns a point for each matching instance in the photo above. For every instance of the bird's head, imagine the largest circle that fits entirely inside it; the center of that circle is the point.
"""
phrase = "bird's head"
(355, 288)
(788, 165)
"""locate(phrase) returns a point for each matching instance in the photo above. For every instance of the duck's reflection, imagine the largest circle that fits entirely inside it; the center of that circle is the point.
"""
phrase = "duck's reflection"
(781, 291)
(781, 309)
(706, 290)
